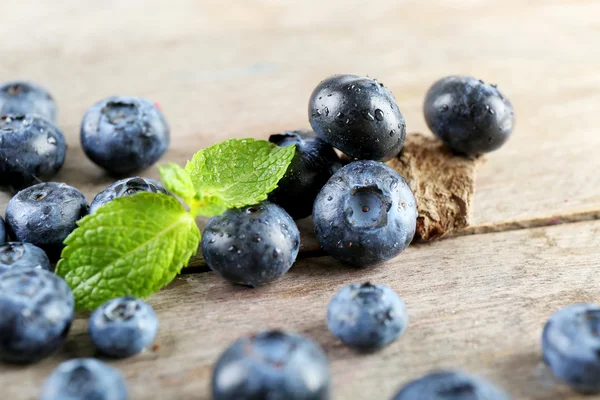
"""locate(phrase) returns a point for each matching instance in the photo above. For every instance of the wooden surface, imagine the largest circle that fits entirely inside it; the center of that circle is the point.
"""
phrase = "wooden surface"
(246, 68)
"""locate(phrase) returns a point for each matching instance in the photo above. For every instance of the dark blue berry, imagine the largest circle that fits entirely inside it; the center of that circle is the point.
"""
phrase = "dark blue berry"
(470, 116)
(571, 346)
(124, 134)
(36, 311)
(26, 98)
(2, 231)
(126, 187)
(450, 385)
(357, 115)
(365, 214)
(84, 379)
(313, 164)
(123, 326)
(367, 317)
(272, 365)
(45, 214)
(31, 149)
(251, 245)
(22, 255)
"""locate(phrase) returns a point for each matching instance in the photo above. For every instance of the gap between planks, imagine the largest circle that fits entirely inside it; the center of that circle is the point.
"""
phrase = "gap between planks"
(198, 265)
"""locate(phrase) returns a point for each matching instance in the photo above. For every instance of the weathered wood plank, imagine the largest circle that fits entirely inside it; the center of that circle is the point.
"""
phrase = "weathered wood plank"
(475, 302)
(249, 72)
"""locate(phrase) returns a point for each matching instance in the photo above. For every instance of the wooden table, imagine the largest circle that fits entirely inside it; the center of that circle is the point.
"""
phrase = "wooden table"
(246, 68)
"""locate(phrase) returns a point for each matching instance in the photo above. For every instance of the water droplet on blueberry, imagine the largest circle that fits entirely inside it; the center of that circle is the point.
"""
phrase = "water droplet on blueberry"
(367, 115)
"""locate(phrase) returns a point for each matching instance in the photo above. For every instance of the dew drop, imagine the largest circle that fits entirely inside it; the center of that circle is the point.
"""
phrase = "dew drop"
(367, 115)
(379, 115)
(329, 198)
(392, 133)
(212, 240)
(51, 139)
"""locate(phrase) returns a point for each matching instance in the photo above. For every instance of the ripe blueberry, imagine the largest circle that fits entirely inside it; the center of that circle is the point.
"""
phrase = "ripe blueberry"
(45, 214)
(26, 98)
(313, 164)
(367, 317)
(2, 231)
(123, 326)
(271, 365)
(470, 116)
(84, 379)
(22, 255)
(124, 134)
(36, 311)
(365, 214)
(571, 343)
(357, 115)
(125, 187)
(450, 385)
(251, 245)
(31, 149)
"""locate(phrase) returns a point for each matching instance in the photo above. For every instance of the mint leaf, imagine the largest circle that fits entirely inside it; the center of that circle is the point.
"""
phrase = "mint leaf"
(178, 181)
(133, 245)
(237, 172)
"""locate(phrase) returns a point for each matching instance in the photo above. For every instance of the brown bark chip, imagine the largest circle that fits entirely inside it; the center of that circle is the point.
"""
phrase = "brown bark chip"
(443, 184)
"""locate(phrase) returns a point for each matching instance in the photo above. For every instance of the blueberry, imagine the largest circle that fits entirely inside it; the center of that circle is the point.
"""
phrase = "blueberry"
(31, 149)
(367, 317)
(36, 311)
(45, 214)
(271, 365)
(313, 164)
(22, 255)
(251, 245)
(85, 379)
(571, 346)
(123, 326)
(26, 98)
(470, 116)
(357, 115)
(450, 385)
(2, 231)
(365, 214)
(126, 187)
(124, 134)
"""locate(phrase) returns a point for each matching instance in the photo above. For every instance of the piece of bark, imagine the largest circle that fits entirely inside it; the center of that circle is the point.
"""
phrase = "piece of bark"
(443, 184)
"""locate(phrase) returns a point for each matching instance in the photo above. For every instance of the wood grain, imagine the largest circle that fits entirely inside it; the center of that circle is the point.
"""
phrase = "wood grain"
(475, 302)
(246, 68)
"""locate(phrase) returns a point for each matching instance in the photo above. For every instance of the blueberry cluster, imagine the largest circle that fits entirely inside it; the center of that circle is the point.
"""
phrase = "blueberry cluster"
(37, 311)
(120, 134)
(37, 306)
(364, 213)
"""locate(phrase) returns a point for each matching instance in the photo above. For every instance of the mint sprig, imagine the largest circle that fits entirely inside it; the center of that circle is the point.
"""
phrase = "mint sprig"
(237, 172)
(136, 245)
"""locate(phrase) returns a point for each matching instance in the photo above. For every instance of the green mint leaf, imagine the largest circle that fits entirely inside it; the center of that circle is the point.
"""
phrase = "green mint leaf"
(236, 173)
(133, 245)
(177, 180)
